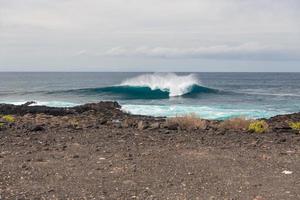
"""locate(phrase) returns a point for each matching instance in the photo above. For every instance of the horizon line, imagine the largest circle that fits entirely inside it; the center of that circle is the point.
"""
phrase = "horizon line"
(149, 71)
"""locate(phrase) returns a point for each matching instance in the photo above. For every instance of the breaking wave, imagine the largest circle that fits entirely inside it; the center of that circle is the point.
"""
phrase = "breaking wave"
(152, 86)
(174, 84)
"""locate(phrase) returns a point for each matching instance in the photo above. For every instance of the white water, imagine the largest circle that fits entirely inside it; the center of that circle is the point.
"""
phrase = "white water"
(176, 85)
(44, 103)
(206, 112)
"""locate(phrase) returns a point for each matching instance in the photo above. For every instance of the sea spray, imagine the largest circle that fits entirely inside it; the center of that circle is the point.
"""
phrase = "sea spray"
(176, 85)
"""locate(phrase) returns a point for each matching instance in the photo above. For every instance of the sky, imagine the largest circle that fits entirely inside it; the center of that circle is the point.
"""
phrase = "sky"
(150, 35)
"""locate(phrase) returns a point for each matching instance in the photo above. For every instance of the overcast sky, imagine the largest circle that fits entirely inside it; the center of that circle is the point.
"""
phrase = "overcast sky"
(149, 35)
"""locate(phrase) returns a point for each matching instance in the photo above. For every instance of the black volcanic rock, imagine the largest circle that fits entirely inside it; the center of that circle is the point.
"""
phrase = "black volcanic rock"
(111, 108)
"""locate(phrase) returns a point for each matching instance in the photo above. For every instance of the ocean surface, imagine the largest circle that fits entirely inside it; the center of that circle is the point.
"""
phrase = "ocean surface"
(209, 95)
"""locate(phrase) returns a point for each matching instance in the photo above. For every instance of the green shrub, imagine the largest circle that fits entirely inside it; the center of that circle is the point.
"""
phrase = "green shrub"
(295, 125)
(1, 124)
(258, 127)
(9, 118)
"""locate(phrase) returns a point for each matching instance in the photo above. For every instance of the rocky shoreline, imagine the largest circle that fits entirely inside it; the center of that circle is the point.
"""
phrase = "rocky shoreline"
(110, 114)
(97, 151)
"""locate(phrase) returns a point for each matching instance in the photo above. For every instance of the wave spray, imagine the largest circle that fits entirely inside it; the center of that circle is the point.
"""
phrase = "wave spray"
(176, 85)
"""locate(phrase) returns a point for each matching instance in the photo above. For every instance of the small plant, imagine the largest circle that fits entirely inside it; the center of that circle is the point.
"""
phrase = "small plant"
(9, 118)
(1, 125)
(238, 123)
(295, 125)
(258, 126)
(187, 122)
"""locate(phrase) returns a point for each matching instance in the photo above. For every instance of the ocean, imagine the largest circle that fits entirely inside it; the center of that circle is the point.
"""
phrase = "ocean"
(209, 95)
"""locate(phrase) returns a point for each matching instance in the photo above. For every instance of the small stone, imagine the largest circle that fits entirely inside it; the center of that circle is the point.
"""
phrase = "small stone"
(102, 121)
(29, 103)
(125, 123)
(76, 156)
(282, 140)
(40, 160)
(258, 198)
(172, 126)
(129, 182)
(155, 125)
(287, 172)
(118, 125)
(37, 128)
(142, 125)
(23, 166)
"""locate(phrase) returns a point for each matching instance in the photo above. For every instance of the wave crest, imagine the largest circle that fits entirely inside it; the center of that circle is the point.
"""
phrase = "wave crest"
(148, 86)
(174, 84)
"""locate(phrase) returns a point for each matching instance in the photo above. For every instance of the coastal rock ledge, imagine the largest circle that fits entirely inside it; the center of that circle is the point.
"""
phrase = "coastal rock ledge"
(35, 118)
(28, 108)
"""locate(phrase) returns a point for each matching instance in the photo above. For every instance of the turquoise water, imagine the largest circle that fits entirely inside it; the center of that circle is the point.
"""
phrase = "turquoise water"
(210, 95)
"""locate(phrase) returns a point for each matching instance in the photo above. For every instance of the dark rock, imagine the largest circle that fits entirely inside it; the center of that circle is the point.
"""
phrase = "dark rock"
(76, 156)
(282, 140)
(118, 125)
(107, 108)
(36, 128)
(29, 103)
(40, 160)
(23, 166)
(281, 126)
(102, 121)
(172, 126)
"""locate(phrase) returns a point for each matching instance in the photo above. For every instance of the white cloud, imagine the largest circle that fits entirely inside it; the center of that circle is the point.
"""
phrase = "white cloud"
(248, 51)
(35, 31)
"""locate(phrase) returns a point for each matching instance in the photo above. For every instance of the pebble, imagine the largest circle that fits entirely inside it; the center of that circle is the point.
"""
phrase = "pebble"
(287, 172)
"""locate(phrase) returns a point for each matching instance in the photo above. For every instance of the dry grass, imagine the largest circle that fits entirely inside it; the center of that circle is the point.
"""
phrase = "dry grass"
(238, 123)
(187, 122)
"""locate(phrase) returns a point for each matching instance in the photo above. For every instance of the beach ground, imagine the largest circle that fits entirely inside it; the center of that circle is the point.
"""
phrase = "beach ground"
(117, 162)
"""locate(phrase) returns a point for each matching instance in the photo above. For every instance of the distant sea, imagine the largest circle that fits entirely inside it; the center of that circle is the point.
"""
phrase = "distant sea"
(209, 95)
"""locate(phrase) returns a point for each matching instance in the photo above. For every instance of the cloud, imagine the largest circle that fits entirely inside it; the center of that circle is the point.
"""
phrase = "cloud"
(67, 32)
(248, 51)
(81, 52)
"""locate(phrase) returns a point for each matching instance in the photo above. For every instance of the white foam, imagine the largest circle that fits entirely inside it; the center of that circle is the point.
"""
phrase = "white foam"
(175, 84)
(206, 112)
(44, 103)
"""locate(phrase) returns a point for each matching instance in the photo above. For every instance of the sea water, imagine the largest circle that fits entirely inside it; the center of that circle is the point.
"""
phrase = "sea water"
(209, 95)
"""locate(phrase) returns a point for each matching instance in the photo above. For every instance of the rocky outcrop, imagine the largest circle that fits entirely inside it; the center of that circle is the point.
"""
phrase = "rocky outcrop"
(94, 115)
(281, 122)
(111, 108)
